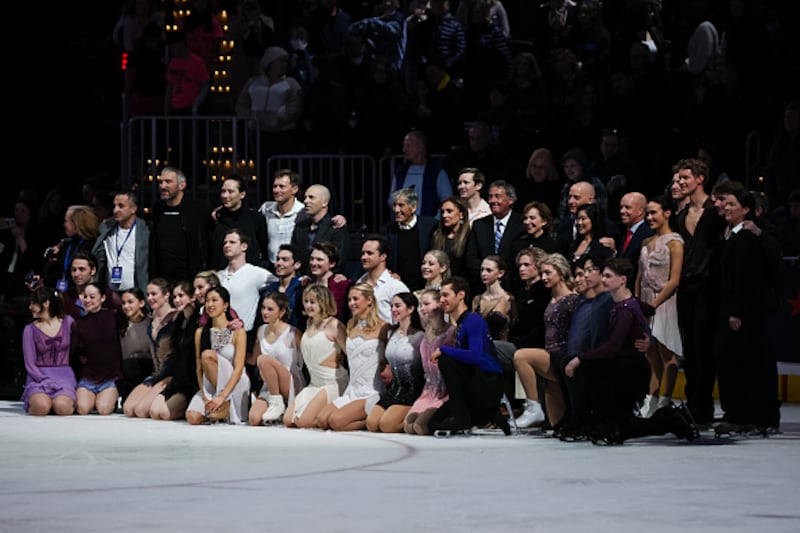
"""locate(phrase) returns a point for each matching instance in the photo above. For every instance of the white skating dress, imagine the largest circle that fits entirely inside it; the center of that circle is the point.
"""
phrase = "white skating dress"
(317, 349)
(222, 343)
(285, 350)
(654, 268)
(365, 382)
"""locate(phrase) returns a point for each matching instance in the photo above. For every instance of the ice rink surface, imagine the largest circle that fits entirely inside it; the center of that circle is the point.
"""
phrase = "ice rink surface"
(114, 475)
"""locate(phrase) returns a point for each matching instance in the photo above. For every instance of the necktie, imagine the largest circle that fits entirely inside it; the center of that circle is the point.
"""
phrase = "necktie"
(498, 235)
(627, 241)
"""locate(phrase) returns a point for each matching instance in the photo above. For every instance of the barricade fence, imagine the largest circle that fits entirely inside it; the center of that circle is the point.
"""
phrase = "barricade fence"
(208, 148)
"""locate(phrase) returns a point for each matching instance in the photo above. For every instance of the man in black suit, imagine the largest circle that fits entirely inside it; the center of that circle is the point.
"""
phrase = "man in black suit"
(634, 230)
(317, 227)
(493, 235)
(409, 237)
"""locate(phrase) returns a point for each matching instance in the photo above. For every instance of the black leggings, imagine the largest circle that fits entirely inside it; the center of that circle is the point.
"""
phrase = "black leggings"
(474, 394)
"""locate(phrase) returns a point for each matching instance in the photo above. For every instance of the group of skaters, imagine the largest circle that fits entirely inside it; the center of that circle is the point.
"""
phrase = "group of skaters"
(173, 316)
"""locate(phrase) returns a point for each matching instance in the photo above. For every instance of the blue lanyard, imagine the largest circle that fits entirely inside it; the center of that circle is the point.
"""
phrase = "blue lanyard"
(116, 239)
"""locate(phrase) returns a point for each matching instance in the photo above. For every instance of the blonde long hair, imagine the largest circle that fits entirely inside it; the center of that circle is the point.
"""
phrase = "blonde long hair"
(373, 320)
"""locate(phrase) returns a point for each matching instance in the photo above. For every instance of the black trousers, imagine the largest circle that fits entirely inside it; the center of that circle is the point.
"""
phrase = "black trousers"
(474, 393)
(697, 318)
(615, 386)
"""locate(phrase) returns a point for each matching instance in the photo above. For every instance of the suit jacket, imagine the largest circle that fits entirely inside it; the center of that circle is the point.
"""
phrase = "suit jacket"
(325, 232)
(481, 244)
(141, 253)
(634, 247)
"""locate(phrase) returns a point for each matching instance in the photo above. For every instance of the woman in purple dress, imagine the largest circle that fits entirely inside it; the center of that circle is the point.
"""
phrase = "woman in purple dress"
(50, 385)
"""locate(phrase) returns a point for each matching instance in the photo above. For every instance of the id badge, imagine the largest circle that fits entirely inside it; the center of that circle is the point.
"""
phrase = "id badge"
(62, 285)
(116, 275)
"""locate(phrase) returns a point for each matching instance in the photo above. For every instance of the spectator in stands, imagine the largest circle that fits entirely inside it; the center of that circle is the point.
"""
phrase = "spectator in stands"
(233, 213)
(488, 55)
(382, 112)
(274, 101)
(409, 237)
(497, 13)
(470, 187)
(328, 28)
(422, 174)
(21, 248)
(593, 42)
(50, 383)
(146, 71)
(452, 235)
(530, 88)
(385, 32)
(576, 168)
(203, 30)
(81, 228)
(253, 32)
(542, 181)
(317, 226)
(494, 235)
(449, 43)
(181, 225)
(790, 228)
(122, 248)
(374, 255)
(131, 26)
(480, 152)
(783, 158)
(441, 109)
(187, 81)
(324, 109)
(617, 169)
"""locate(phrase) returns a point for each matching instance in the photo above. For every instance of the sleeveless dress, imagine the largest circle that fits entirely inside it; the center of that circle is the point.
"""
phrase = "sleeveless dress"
(402, 354)
(434, 391)
(47, 362)
(287, 353)
(316, 349)
(365, 382)
(222, 343)
(654, 267)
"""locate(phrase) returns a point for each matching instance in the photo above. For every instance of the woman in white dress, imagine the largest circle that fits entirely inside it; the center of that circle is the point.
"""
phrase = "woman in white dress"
(349, 412)
(660, 263)
(322, 346)
(220, 354)
(277, 354)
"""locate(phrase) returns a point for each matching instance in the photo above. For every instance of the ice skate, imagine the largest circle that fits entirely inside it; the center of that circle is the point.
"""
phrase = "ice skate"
(275, 410)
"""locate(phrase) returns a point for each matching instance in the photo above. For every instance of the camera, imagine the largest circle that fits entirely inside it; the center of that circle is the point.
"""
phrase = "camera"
(30, 278)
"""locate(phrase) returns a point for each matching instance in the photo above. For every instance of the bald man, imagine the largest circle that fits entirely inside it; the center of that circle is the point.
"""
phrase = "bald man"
(317, 227)
(580, 193)
(633, 230)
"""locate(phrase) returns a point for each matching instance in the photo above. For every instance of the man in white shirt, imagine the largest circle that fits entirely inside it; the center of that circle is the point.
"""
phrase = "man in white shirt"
(244, 282)
(283, 211)
(374, 253)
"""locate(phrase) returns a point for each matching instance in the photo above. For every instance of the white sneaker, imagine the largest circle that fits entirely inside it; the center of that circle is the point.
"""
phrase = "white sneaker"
(275, 410)
(649, 406)
(664, 401)
(531, 416)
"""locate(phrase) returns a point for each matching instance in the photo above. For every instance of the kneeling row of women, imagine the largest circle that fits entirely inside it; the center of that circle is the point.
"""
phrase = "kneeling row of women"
(186, 359)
